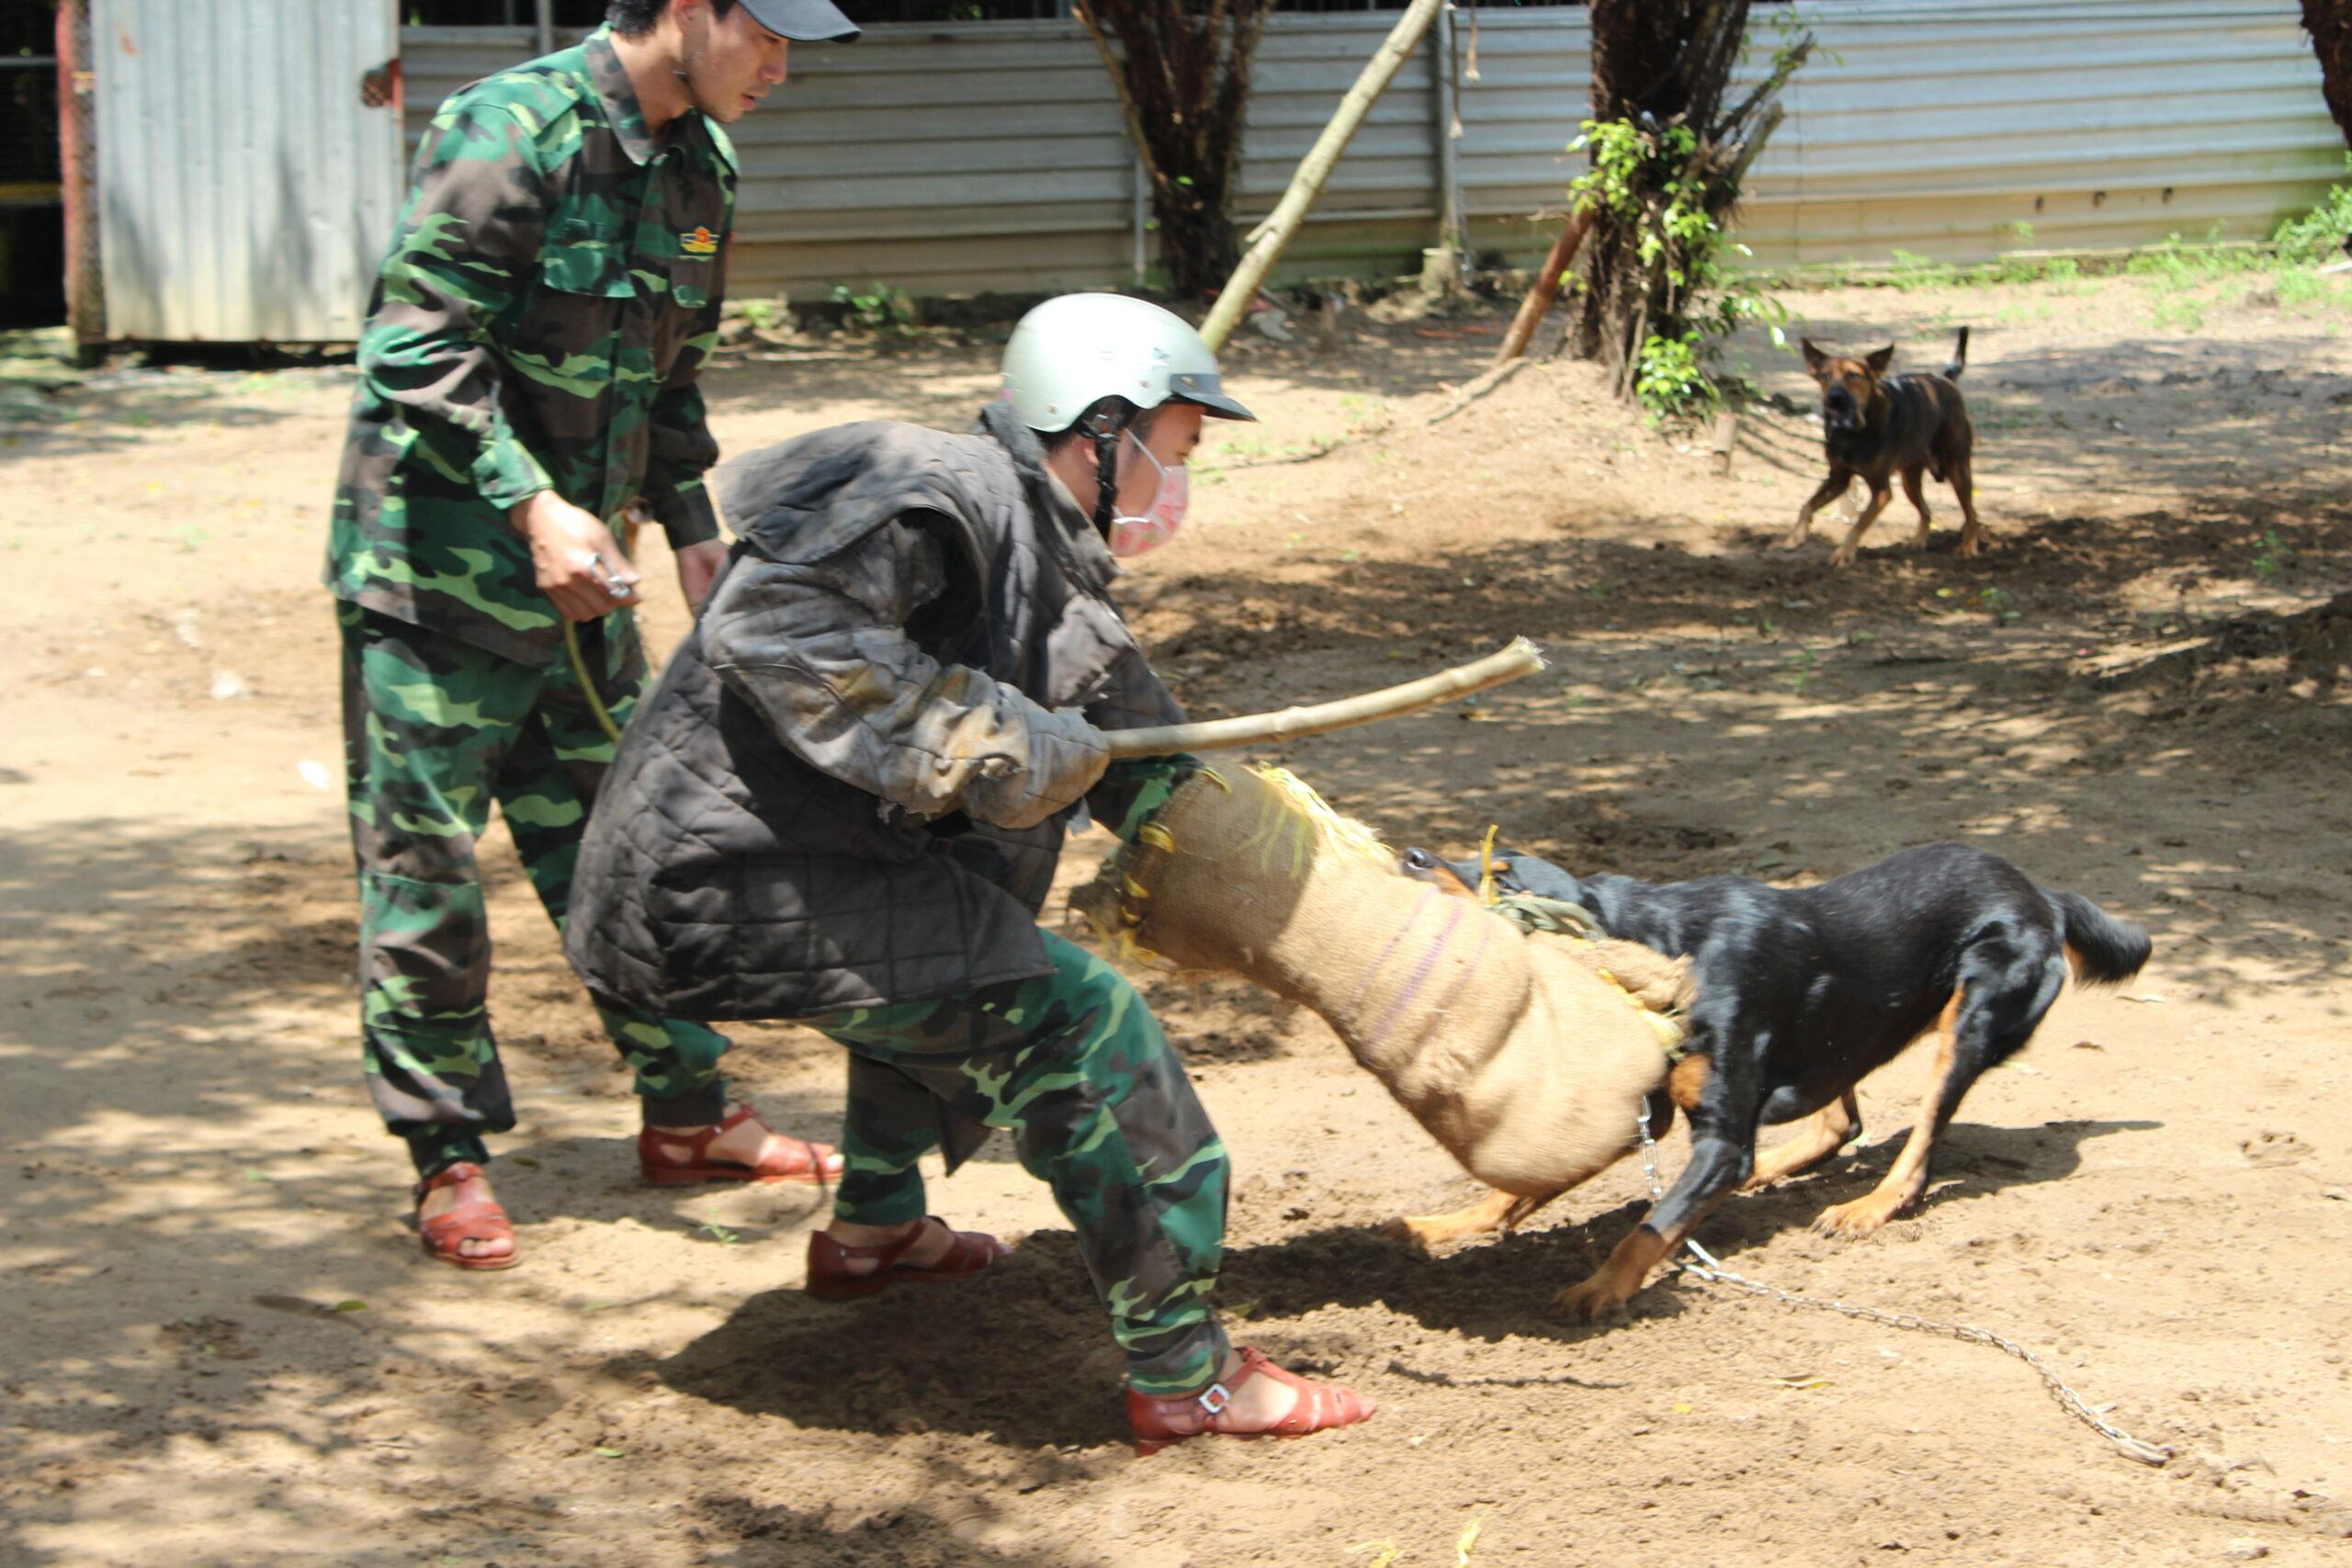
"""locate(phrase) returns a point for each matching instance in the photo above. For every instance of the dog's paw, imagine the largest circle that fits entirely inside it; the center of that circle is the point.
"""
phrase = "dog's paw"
(1970, 545)
(1795, 537)
(1424, 1232)
(1594, 1299)
(1840, 558)
(1863, 1216)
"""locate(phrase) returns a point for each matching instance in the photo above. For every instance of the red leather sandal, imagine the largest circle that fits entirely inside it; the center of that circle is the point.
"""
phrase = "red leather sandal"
(831, 1280)
(1157, 1423)
(471, 1219)
(675, 1157)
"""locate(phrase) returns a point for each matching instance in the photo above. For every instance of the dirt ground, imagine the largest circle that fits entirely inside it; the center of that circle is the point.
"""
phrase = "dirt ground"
(217, 1344)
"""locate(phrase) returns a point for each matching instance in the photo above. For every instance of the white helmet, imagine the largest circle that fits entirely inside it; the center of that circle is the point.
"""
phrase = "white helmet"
(1071, 352)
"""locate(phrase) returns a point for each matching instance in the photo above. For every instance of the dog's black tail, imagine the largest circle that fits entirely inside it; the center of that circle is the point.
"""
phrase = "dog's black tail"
(2103, 949)
(1959, 361)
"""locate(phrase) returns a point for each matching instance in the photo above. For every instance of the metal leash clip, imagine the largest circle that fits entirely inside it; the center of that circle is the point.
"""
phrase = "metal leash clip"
(613, 584)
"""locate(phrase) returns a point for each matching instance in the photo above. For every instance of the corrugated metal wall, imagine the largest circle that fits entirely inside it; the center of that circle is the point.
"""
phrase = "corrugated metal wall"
(1949, 128)
(959, 158)
(244, 193)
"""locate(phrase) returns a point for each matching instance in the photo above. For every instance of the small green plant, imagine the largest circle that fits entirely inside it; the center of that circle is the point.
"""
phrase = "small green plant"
(2294, 286)
(2274, 555)
(761, 313)
(877, 308)
(1999, 604)
(1672, 383)
(1912, 271)
(1803, 668)
(2314, 236)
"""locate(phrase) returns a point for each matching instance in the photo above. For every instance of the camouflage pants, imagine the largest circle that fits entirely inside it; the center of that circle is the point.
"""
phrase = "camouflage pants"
(434, 730)
(1075, 1067)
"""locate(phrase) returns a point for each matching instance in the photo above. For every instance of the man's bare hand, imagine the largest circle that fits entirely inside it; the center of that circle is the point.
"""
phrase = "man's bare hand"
(579, 564)
(698, 569)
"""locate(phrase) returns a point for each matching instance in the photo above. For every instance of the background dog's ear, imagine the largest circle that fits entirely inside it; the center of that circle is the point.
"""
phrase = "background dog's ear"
(1878, 361)
(1814, 358)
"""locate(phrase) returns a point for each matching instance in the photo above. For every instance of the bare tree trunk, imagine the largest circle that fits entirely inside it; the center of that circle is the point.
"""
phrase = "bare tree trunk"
(2329, 22)
(1182, 72)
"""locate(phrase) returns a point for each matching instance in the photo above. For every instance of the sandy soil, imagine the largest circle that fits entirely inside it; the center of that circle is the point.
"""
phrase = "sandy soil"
(217, 1344)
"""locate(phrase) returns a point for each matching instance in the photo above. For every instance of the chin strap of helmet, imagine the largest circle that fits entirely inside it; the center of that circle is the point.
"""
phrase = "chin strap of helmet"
(1106, 425)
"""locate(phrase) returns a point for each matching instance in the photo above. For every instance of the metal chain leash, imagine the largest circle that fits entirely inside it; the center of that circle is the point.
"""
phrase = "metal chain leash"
(1708, 1268)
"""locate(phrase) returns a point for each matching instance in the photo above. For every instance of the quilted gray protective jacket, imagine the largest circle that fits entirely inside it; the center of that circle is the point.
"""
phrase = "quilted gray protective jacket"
(851, 784)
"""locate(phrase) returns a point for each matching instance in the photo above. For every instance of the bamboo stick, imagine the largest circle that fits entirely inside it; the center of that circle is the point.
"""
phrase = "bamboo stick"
(1521, 657)
(1267, 240)
(1546, 287)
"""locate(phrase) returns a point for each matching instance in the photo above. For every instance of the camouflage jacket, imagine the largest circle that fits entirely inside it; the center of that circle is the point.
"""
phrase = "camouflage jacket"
(538, 322)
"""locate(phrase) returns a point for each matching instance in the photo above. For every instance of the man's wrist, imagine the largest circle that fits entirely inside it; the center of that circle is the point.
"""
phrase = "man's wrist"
(519, 515)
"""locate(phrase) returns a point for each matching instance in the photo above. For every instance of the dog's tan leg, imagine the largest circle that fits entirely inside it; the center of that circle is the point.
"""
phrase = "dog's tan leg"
(1625, 1271)
(1918, 500)
(1843, 556)
(1831, 489)
(1963, 485)
(1495, 1212)
(1826, 1132)
(1908, 1177)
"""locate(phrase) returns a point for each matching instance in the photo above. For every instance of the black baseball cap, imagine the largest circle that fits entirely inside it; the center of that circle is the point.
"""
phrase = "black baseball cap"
(802, 21)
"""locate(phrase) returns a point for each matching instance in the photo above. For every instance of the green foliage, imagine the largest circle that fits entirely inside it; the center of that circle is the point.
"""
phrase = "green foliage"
(1648, 176)
(877, 307)
(2273, 557)
(2314, 236)
(1671, 382)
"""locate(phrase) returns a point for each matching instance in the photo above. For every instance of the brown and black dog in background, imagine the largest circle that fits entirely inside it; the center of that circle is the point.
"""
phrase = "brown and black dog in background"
(1876, 425)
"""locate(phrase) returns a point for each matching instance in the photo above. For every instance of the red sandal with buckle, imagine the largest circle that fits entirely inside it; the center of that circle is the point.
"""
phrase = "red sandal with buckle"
(675, 1157)
(1321, 1406)
(470, 1219)
(831, 1279)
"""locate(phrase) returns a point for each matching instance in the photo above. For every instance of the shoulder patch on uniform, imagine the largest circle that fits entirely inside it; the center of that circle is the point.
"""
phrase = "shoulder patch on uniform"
(698, 241)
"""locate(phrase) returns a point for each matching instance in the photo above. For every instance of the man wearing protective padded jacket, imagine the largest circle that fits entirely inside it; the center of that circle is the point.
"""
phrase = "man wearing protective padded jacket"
(843, 801)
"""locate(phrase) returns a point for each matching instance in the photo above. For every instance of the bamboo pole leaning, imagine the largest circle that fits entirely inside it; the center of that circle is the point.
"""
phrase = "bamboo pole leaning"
(1269, 238)
(1519, 657)
(1546, 287)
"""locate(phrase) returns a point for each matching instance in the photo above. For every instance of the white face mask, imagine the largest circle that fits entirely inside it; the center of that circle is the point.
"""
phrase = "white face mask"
(1157, 522)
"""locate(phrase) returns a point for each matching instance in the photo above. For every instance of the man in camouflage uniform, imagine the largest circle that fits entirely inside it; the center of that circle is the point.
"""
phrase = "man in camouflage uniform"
(527, 370)
(844, 801)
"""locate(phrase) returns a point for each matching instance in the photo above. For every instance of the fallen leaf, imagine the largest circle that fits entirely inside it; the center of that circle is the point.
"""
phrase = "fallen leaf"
(1801, 1379)
(1682, 1409)
(353, 1305)
(1468, 1539)
(2088, 1045)
(298, 1305)
(527, 1162)
(2144, 996)
(610, 1453)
